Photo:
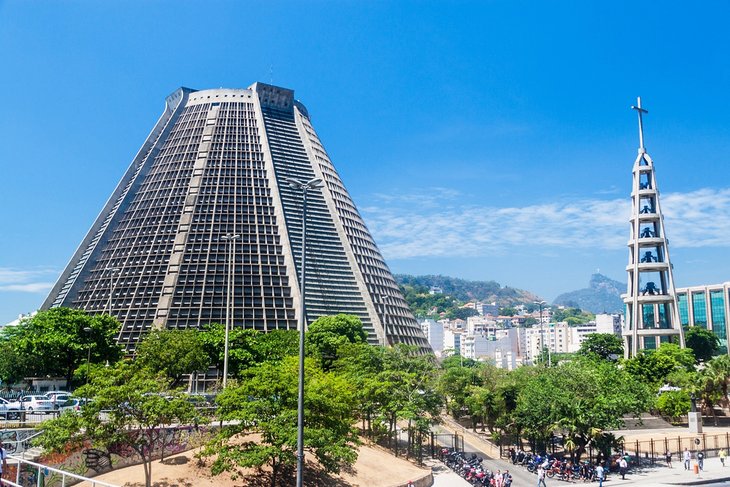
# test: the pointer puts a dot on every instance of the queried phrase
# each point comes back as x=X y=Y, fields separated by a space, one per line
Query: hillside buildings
x=502 y=341
x=210 y=213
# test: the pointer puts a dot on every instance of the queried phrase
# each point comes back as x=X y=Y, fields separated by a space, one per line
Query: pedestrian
x=4 y=464
x=722 y=455
x=541 y=476
x=498 y=479
x=600 y=474
x=623 y=465
x=507 y=482
x=687 y=458
x=700 y=459
x=668 y=458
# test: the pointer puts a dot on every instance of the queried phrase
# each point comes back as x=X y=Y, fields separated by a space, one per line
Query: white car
x=9 y=410
x=36 y=404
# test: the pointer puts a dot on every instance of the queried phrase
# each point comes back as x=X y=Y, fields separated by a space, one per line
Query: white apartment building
x=434 y=331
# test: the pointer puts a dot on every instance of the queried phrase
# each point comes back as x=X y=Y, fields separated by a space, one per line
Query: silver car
x=36 y=404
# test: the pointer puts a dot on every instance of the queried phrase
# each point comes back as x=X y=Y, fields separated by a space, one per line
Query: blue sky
x=485 y=140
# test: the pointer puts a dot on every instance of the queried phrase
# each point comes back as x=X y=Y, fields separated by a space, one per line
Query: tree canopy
x=703 y=342
x=174 y=353
x=56 y=342
x=605 y=346
x=136 y=404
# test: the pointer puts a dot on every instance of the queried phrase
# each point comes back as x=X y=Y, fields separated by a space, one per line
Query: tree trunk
x=147 y=462
x=274 y=471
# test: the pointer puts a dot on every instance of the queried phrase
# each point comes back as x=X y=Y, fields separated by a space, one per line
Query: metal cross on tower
x=641 y=124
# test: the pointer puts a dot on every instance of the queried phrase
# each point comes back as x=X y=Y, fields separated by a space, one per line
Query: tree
x=265 y=402
x=583 y=398
x=673 y=403
x=654 y=366
x=56 y=342
x=247 y=348
x=605 y=346
x=703 y=342
x=461 y=313
x=136 y=404
x=174 y=353
x=327 y=334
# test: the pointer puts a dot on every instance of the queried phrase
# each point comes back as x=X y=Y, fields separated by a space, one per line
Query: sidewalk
x=646 y=476
x=662 y=476
x=443 y=476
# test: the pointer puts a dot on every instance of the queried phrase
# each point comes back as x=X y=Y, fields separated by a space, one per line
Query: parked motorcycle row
x=560 y=469
x=471 y=469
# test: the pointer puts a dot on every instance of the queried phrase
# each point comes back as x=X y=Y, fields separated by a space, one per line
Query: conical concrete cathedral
x=651 y=302
x=210 y=186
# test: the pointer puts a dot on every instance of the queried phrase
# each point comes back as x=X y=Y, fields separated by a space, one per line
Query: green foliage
x=652 y=367
x=712 y=384
x=507 y=311
x=247 y=348
x=582 y=397
x=54 y=343
x=136 y=405
x=424 y=304
x=461 y=313
x=173 y=353
x=327 y=334
x=265 y=402
x=605 y=346
x=703 y=342
x=572 y=316
x=673 y=404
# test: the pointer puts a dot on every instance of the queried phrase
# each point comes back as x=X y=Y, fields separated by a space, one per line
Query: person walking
x=623 y=465
x=4 y=464
x=700 y=459
x=722 y=455
x=600 y=474
x=541 y=476
x=668 y=458
x=687 y=459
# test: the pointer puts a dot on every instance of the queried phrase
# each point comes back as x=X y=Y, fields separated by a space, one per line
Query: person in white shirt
x=687 y=458
x=600 y=474
x=541 y=476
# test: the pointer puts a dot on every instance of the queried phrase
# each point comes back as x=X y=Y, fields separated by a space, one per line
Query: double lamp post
x=304 y=187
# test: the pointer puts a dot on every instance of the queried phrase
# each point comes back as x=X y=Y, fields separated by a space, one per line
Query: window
x=699 y=309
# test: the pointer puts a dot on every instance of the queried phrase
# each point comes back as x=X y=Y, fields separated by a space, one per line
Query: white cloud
x=26 y=280
x=697 y=219
x=34 y=287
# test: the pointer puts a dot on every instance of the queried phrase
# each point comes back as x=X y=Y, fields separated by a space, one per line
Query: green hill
x=456 y=292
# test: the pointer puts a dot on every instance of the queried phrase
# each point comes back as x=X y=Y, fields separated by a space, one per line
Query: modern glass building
x=209 y=186
x=708 y=307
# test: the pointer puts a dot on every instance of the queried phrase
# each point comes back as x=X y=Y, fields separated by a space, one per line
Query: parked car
x=57 y=398
x=40 y=404
x=70 y=404
x=9 y=410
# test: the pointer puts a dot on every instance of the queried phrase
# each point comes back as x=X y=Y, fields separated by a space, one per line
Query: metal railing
x=35 y=474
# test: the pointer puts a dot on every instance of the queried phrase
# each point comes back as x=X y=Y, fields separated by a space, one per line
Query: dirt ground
x=375 y=467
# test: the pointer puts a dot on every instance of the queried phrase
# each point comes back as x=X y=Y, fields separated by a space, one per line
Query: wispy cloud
x=697 y=219
x=26 y=280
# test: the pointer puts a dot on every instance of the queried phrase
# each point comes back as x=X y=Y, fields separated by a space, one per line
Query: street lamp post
x=230 y=240
x=303 y=187
x=87 y=330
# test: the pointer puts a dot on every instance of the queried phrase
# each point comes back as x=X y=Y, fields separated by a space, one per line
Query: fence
x=30 y=474
x=654 y=450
